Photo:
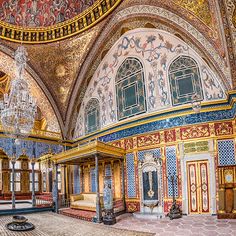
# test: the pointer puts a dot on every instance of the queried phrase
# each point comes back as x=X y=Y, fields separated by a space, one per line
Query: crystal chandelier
x=18 y=108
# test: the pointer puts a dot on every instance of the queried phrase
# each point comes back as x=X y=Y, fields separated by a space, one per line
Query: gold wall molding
x=76 y=25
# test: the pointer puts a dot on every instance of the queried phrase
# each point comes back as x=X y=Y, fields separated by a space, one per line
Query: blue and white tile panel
x=226 y=152
x=156 y=152
x=171 y=169
x=130 y=170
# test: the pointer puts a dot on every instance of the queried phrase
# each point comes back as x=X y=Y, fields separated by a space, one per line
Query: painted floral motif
x=213 y=90
x=156 y=50
x=37 y=13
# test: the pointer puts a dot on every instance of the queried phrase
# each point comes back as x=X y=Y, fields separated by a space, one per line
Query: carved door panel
x=198 y=187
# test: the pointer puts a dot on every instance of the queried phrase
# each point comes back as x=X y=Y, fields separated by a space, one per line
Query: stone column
x=55 y=189
x=98 y=205
x=64 y=177
x=13 y=162
x=33 y=183
x=56 y=203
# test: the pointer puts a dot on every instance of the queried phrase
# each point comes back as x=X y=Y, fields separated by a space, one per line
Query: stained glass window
x=185 y=81
x=130 y=89
x=92 y=116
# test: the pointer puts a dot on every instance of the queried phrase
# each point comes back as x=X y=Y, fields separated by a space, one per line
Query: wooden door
x=198 y=187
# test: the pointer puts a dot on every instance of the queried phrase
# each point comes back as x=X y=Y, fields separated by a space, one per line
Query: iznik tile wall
x=202 y=117
x=226 y=152
x=32 y=148
x=156 y=153
x=130 y=170
x=171 y=169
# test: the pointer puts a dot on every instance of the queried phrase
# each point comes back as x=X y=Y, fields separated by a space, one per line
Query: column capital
x=13 y=160
x=33 y=160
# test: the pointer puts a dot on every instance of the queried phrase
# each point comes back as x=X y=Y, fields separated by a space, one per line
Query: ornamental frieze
x=148 y=140
x=117 y=144
x=195 y=132
x=170 y=136
x=129 y=144
x=223 y=128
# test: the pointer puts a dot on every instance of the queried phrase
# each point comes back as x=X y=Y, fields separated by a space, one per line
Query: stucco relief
x=7 y=65
x=155 y=49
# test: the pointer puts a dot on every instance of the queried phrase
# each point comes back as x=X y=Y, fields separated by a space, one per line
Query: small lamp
x=196 y=103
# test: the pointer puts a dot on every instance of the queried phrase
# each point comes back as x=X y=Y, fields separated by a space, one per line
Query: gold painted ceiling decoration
x=78 y=24
x=41 y=13
x=4 y=84
x=200 y=8
x=234 y=15
x=58 y=63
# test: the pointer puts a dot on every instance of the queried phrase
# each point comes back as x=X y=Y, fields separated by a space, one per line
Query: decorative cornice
x=76 y=25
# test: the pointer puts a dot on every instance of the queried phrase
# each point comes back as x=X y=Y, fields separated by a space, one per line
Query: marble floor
x=51 y=224
x=6 y=205
x=197 y=225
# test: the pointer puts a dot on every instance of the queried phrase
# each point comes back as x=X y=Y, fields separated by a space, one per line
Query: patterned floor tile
x=188 y=225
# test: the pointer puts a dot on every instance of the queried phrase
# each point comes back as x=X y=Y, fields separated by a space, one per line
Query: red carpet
x=79 y=214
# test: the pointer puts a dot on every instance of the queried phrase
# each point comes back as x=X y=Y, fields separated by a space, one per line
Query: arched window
x=185 y=81
x=130 y=89
x=92 y=116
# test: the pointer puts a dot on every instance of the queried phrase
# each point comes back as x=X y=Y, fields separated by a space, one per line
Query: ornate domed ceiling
x=41 y=13
x=41 y=21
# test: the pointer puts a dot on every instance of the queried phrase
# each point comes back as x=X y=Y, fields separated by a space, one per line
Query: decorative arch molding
x=38 y=89
x=156 y=49
x=141 y=11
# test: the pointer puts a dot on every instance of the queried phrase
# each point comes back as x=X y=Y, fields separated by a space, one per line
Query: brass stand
x=175 y=211
x=109 y=217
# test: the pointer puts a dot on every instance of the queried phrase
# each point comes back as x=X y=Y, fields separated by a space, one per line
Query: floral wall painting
x=161 y=57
